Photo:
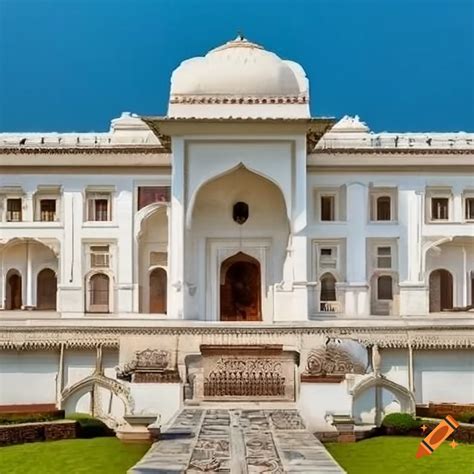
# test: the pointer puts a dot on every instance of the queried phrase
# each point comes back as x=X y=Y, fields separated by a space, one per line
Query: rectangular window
x=151 y=194
x=328 y=257
x=328 y=208
x=14 y=210
x=384 y=257
x=469 y=208
x=439 y=208
x=98 y=207
x=99 y=256
x=383 y=208
x=48 y=210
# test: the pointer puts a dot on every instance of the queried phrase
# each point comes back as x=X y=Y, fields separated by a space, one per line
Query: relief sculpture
x=245 y=378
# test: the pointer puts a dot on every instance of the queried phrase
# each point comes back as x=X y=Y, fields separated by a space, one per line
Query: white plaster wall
x=110 y=360
x=78 y=364
x=28 y=377
x=444 y=376
x=318 y=399
x=164 y=399
x=395 y=365
x=364 y=405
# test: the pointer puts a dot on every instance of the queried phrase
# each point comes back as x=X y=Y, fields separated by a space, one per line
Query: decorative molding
x=390 y=151
x=51 y=338
x=70 y=150
x=233 y=99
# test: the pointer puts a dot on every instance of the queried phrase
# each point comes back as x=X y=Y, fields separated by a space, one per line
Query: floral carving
x=332 y=360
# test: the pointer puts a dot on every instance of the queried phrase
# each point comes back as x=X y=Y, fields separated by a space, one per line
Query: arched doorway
x=240 y=298
x=158 y=282
x=46 y=290
x=99 y=293
x=441 y=290
x=13 y=296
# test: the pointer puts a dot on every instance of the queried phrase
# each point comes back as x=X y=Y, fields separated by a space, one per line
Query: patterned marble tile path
x=237 y=442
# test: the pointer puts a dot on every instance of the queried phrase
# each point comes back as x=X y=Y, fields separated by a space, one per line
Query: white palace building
x=236 y=250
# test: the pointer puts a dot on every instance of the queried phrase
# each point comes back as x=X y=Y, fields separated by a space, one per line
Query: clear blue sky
x=72 y=65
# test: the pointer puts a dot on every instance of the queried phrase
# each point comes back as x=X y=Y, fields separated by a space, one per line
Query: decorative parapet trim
x=112 y=150
x=38 y=338
x=391 y=151
x=232 y=99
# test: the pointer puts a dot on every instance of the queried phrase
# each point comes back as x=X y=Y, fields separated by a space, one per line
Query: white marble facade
x=342 y=231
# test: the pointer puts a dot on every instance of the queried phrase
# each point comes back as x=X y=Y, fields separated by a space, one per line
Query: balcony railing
x=330 y=307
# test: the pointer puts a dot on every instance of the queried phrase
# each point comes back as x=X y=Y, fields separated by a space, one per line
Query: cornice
x=392 y=151
x=232 y=99
x=46 y=338
x=112 y=150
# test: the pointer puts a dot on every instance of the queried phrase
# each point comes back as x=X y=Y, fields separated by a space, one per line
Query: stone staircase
x=237 y=441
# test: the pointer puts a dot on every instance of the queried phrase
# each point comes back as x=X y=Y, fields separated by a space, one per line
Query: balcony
x=330 y=307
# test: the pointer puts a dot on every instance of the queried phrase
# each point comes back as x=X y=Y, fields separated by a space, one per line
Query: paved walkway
x=237 y=442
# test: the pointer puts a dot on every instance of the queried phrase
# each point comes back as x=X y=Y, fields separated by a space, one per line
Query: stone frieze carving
x=83 y=337
x=235 y=377
x=149 y=366
x=332 y=359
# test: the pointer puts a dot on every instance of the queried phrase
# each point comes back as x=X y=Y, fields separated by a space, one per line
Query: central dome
x=241 y=69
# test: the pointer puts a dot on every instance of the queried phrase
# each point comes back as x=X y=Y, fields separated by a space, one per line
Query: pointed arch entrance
x=240 y=289
x=441 y=290
x=158 y=284
x=13 y=294
x=46 y=289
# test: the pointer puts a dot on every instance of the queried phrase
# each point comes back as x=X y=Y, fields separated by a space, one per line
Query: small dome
x=239 y=68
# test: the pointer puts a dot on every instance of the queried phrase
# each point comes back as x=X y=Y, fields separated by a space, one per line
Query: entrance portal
x=240 y=289
x=13 y=300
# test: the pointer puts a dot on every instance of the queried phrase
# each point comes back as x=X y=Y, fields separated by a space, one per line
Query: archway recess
x=441 y=290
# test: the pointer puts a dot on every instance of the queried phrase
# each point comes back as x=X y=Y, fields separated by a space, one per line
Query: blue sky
x=72 y=65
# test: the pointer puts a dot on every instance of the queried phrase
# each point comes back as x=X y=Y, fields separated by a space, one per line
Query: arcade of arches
x=30 y=280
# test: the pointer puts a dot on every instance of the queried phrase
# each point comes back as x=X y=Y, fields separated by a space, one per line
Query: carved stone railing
x=330 y=307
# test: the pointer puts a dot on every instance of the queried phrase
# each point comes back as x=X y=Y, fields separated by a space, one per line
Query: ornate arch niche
x=90 y=385
x=378 y=384
x=151 y=249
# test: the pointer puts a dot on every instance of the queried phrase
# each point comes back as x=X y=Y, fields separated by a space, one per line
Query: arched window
x=13 y=296
x=46 y=289
x=328 y=287
x=99 y=293
x=441 y=290
x=383 y=208
x=384 y=287
x=158 y=287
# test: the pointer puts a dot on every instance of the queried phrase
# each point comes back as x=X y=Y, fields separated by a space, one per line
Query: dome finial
x=240 y=36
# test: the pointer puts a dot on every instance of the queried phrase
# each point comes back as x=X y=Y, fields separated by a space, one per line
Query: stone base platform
x=237 y=441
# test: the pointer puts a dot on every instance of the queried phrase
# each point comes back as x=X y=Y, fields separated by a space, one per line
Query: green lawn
x=72 y=456
x=396 y=455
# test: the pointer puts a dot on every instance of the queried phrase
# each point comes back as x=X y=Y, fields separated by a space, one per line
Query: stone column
x=457 y=205
x=71 y=289
x=357 y=300
x=411 y=385
x=29 y=277
x=124 y=213
x=176 y=308
x=413 y=294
